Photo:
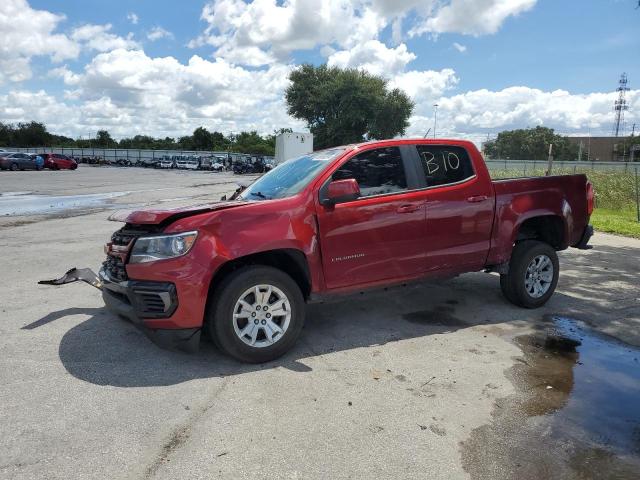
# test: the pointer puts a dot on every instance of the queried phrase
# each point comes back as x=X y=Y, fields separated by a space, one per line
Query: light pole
x=435 y=118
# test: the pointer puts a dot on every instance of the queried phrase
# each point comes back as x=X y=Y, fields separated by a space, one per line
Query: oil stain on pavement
x=576 y=413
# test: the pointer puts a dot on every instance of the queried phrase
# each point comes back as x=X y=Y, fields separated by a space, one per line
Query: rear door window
x=445 y=164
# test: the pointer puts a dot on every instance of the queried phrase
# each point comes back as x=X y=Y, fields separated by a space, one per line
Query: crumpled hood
x=155 y=216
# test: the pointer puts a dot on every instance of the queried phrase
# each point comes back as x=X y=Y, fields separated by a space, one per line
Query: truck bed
x=518 y=199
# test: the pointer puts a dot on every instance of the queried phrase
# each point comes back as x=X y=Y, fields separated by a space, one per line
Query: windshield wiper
x=259 y=194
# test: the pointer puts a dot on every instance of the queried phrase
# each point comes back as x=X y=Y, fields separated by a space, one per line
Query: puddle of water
x=603 y=405
x=576 y=413
x=26 y=203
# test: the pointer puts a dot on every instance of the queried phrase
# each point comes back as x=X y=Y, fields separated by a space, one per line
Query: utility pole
x=435 y=118
x=550 y=164
x=580 y=146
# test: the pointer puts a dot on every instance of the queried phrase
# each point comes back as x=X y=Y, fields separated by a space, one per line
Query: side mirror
x=340 y=191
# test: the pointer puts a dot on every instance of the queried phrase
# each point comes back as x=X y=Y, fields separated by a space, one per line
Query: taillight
x=590 y=198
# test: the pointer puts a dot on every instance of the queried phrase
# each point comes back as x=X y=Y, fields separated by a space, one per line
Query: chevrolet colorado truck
x=332 y=222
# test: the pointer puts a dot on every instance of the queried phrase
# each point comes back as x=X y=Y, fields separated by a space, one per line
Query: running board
x=85 y=275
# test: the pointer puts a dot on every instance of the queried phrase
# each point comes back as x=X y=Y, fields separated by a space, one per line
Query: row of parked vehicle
x=188 y=162
x=58 y=161
x=35 y=161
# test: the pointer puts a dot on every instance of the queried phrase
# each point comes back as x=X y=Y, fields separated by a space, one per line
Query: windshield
x=290 y=177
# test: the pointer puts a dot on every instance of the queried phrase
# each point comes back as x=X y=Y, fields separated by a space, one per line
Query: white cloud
x=157 y=33
x=521 y=107
x=261 y=32
x=100 y=38
x=472 y=17
x=26 y=33
x=271 y=31
x=459 y=47
x=133 y=18
x=128 y=92
x=373 y=56
x=68 y=77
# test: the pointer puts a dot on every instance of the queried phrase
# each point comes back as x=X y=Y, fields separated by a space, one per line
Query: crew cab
x=333 y=222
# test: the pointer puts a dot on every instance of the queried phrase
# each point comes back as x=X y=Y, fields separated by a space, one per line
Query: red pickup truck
x=337 y=221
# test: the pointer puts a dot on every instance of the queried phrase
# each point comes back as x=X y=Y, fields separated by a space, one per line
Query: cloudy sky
x=165 y=68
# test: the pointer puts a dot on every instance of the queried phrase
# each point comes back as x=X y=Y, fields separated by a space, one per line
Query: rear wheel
x=256 y=314
x=533 y=274
x=13 y=167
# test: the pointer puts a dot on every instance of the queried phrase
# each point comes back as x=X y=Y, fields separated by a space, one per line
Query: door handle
x=477 y=198
x=408 y=208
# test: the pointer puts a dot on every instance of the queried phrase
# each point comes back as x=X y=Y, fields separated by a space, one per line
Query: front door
x=379 y=236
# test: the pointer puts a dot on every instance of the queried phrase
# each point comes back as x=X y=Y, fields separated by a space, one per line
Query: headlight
x=150 y=249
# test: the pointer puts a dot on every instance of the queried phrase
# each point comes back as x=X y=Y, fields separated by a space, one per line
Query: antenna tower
x=620 y=106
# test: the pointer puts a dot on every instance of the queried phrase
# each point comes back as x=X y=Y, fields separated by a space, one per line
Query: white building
x=292 y=145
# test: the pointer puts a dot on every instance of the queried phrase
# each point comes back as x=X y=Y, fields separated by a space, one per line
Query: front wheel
x=533 y=274
x=256 y=314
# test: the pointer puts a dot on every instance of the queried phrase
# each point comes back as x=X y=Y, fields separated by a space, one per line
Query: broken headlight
x=150 y=249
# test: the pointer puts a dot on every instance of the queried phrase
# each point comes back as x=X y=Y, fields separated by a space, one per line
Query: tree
x=530 y=144
x=346 y=106
x=201 y=139
x=104 y=140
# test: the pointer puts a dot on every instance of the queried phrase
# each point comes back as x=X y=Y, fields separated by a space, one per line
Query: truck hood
x=155 y=216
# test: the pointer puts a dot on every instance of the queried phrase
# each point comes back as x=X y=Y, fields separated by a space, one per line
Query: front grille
x=115 y=268
x=114 y=265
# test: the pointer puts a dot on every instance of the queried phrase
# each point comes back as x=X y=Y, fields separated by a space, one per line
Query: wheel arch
x=291 y=261
x=550 y=229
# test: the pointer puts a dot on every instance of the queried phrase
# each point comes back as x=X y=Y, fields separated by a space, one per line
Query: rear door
x=459 y=209
x=379 y=236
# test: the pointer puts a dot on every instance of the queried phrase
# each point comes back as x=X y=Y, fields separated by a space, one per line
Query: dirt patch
x=576 y=413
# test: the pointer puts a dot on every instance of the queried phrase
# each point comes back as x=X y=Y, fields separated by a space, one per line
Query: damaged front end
x=140 y=301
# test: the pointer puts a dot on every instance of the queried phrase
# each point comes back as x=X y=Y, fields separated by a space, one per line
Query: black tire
x=219 y=317
x=513 y=284
x=13 y=167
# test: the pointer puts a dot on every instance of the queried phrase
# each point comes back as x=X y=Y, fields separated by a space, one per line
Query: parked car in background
x=58 y=161
x=188 y=162
x=217 y=167
x=18 y=161
x=166 y=162
x=247 y=166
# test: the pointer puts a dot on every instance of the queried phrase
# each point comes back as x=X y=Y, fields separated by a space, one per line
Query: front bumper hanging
x=74 y=275
x=138 y=301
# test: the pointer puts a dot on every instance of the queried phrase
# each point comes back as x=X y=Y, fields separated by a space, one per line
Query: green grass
x=615 y=198
x=621 y=222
